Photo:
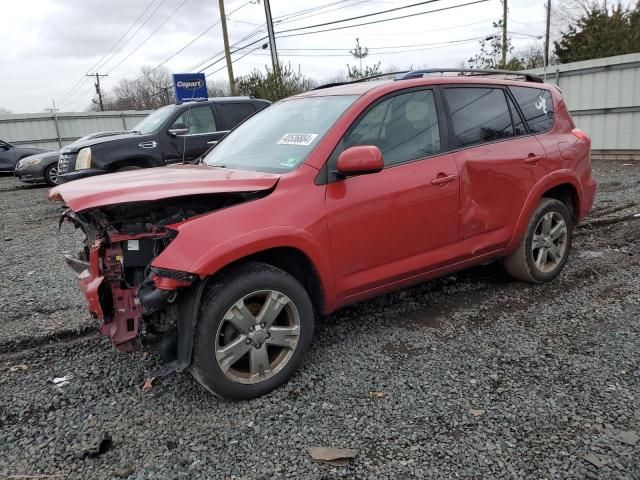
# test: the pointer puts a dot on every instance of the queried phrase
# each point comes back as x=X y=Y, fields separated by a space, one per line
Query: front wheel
x=51 y=175
x=544 y=250
x=254 y=328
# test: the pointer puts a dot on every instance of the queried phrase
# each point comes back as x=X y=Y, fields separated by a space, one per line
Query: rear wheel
x=51 y=174
x=544 y=250
x=254 y=328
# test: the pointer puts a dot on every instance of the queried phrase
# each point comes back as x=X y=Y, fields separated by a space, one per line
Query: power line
x=200 y=35
x=169 y=17
x=146 y=20
x=342 y=20
x=84 y=79
x=430 y=30
x=349 y=26
x=232 y=52
x=234 y=61
x=381 y=20
x=101 y=63
x=302 y=16
x=430 y=47
x=123 y=36
x=385 y=47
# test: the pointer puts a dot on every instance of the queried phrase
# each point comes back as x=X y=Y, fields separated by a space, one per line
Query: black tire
x=521 y=264
x=227 y=290
x=51 y=175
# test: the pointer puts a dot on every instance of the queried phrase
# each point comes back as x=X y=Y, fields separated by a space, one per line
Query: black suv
x=168 y=135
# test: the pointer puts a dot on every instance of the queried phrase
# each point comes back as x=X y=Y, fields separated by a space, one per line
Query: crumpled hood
x=158 y=183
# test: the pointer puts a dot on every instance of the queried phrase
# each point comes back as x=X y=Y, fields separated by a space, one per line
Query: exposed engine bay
x=136 y=303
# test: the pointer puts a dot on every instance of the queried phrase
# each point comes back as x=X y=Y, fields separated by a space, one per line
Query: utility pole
x=504 y=33
x=54 y=111
x=97 y=85
x=227 y=53
x=272 y=36
x=546 y=36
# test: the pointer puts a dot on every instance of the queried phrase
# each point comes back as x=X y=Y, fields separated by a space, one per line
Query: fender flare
x=237 y=248
x=219 y=255
x=546 y=183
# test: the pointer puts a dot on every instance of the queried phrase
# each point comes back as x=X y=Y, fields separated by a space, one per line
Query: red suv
x=322 y=200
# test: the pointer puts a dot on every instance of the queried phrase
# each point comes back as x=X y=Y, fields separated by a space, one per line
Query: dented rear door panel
x=495 y=181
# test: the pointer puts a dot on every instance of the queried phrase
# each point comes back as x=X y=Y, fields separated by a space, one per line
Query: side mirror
x=178 y=129
x=360 y=160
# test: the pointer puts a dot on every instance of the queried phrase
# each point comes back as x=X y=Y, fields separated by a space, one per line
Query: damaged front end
x=136 y=303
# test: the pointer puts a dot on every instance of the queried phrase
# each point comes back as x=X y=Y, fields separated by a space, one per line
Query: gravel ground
x=482 y=377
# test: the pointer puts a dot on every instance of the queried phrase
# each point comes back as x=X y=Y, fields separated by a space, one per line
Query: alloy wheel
x=257 y=336
x=53 y=175
x=549 y=242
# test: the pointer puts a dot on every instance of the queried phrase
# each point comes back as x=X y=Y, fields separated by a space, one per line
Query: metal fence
x=603 y=96
x=48 y=130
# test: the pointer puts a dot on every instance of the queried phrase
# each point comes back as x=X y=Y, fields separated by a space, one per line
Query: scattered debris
x=7 y=239
x=124 y=471
x=15 y=368
x=61 y=381
x=477 y=413
x=148 y=384
x=473 y=381
x=630 y=438
x=591 y=254
x=375 y=394
x=338 y=457
x=99 y=444
x=636 y=215
x=627 y=164
x=55 y=475
x=593 y=460
x=29 y=273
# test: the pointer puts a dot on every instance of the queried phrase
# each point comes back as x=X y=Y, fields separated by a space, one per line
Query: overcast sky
x=49 y=45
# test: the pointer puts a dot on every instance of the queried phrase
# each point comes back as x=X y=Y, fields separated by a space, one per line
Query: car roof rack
x=529 y=77
x=359 y=80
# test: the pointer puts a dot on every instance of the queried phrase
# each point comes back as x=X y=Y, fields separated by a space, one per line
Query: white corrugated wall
x=603 y=96
x=40 y=129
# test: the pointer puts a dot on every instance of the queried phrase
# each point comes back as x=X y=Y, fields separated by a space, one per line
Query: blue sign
x=189 y=86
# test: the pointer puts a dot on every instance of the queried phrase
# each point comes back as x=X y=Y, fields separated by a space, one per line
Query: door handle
x=533 y=158
x=442 y=179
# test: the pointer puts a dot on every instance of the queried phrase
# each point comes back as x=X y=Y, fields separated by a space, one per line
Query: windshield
x=152 y=122
x=280 y=137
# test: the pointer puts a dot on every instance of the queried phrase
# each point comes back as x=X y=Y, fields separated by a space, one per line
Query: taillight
x=581 y=135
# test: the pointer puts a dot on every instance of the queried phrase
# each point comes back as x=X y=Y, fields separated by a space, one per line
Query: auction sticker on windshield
x=297 y=139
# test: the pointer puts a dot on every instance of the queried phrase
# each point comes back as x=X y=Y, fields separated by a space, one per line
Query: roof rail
x=529 y=77
x=364 y=79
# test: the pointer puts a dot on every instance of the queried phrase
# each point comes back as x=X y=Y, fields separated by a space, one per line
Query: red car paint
x=164 y=182
x=364 y=235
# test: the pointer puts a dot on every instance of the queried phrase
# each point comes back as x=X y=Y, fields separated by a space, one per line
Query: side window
x=234 y=113
x=404 y=127
x=536 y=105
x=518 y=124
x=479 y=115
x=197 y=120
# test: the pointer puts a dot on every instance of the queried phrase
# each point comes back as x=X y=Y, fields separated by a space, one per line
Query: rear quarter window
x=234 y=113
x=537 y=106
x=479 y=115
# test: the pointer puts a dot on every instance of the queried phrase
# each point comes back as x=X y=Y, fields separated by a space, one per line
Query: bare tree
x=152 y=89
x=532 y=56
x=218 y=88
